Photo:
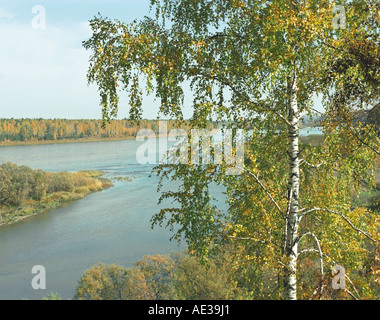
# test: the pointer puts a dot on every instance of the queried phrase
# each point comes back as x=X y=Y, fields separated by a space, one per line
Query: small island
x=26 y=192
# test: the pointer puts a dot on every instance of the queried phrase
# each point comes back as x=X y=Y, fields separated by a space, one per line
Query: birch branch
x=343 y=217
x=265 y=190
x=319 y=251
x=347 y=277
x=350 y=293
x=307 y=251
x=356 y=135
x=349 y=280
x=312 y=165
x=257 y=240
x=244 y=96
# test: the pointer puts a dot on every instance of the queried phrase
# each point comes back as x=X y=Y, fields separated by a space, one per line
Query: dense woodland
x=34 y=130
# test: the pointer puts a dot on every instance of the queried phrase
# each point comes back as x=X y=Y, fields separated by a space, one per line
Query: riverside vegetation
x=41 y=131
x=226 y=274
x=25 y=192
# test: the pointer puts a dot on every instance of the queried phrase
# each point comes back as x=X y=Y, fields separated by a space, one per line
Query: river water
x=111 y=226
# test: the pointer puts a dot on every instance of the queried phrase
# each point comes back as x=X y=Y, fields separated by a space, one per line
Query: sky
x=43 y=65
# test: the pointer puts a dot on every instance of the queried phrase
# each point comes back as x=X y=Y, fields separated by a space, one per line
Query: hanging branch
x=316 y=166
x=256 y=240
x=318 y=250
x=265 y=190
x=344 y=218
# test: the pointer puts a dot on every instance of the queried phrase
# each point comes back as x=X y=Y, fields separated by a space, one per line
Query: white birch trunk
x=291 y=246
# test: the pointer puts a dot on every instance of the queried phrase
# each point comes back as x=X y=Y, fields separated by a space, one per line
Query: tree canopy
x=259 y=65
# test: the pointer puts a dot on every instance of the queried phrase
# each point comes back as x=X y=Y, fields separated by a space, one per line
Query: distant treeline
x=307 y=122
x=59 y=129
x=34 y=130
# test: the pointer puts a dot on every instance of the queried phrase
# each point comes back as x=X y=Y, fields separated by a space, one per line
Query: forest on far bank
x=34 y=130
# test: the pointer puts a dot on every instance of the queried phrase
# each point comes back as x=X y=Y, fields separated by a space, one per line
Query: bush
x=16 y=184
x=162 y=277
x=60 y=182
x=52 y=296
x=102 y=282
x=159 y=272
x=22 y=188
x=206 y=281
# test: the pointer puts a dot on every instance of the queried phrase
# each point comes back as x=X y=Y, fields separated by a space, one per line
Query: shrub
x=159 y=272
x=206 y=281
x=162 y=277
x=102 y=282
x=60 y=182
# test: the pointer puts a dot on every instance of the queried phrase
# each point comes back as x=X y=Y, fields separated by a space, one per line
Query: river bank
x=307 y=131
x=61 y=141
x=25 y=192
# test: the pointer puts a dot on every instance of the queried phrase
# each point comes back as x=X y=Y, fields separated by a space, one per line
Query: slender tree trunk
x=292 y=219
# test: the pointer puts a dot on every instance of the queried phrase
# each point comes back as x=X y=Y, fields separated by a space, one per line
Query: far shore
x=9 y=143
x=61 y=141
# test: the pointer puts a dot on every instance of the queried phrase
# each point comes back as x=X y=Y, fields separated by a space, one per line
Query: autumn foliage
x=25 y=191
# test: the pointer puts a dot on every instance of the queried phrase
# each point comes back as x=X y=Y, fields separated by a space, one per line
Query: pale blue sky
x=43 y=72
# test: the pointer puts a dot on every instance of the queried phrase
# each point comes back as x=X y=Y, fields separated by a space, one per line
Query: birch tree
x=258 y=66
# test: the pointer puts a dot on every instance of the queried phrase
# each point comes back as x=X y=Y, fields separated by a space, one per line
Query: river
x=111 y=226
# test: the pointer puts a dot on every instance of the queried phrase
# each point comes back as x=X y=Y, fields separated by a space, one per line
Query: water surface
x=111 y=226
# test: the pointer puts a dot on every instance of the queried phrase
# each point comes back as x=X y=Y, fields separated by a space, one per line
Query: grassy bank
x=25 y=192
